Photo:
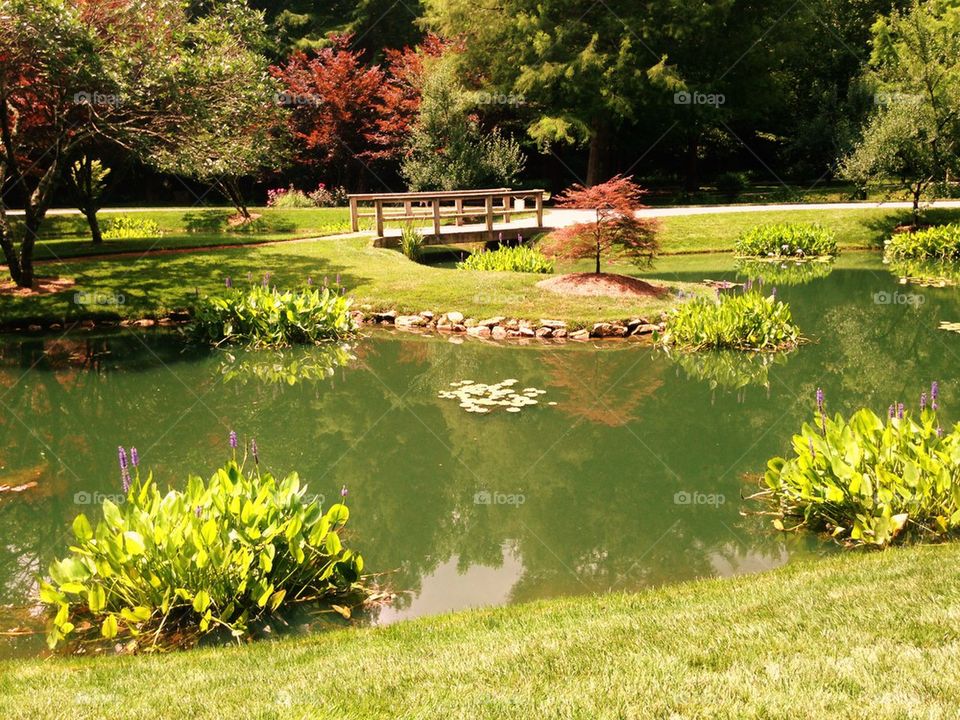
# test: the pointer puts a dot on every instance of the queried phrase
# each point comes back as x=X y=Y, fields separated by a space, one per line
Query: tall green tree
x=913 y=135
x=87 y=179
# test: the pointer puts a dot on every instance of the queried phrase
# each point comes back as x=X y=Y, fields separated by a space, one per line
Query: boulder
x=526 y=331
x=470 y=322
x=544 y=332
x=498 y=332
x=560 y=333
x=410 y=321
x=455 y=317
x=479 y=331
x=388 y=317
x=645 y=329
x=427 y=314
x=553 y=324
x=490 y=322
x=579 y=335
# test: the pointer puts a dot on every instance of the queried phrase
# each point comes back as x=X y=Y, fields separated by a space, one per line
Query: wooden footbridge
x=450 y=216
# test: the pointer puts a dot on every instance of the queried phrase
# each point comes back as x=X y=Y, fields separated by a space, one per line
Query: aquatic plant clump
x=482 y=399
x=263 y=316
x=223 y=553
x=125 y=226
x=511 y=259
x=870 y=480
x=740 y=321
x=783 y=240
x=935 y=243
x=728 y=369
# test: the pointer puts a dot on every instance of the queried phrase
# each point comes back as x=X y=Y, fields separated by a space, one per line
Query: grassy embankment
x=855 y=636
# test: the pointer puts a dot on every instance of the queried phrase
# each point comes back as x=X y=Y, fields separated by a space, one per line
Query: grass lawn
x=153 y=284
x=862 y=635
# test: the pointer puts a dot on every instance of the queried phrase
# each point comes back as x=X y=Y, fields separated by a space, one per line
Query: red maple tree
x=615 y=230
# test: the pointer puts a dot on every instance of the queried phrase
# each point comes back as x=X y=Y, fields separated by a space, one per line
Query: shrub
x=731 y=184
x=935 y=243
x=219 y=554
x=781 y=272
x=741 y=321
x=268 y=317
x=787 y=240
x=411 y=243
x=288 y=198
x=870 y=480
x=122 y=227
x=325 y=197
x=511 y=259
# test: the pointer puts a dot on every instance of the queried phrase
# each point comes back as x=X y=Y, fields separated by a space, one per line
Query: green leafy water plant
x=927 y=273
x=286 y=367
x=510 y=259
x=264 y=316
x=728 y=369
x=124 y=226
x=224 y=553
x=935 y=243
x=784 y=272
x=792 y=240
x=869 y=480
x=734 y=321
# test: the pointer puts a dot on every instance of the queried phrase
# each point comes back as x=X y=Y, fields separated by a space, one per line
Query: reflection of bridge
x=450 y=216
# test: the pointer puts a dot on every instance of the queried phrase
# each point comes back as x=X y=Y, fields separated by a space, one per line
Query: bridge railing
x=437 y=206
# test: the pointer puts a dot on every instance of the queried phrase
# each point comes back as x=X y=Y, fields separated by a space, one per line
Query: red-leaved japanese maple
x=615 y=230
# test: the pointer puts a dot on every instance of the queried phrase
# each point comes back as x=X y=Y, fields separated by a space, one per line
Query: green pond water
x=632 y=479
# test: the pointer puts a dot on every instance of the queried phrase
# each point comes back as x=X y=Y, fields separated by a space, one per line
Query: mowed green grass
x=856 y=636
x=152 y=284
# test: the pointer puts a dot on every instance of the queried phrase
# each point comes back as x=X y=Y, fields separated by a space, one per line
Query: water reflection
x=611 y=478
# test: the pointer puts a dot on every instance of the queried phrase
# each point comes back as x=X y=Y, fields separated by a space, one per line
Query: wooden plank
x=354 y=216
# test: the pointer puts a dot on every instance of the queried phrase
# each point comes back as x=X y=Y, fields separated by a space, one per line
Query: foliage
x=447 y=148
x=804 y=240
x=326 y=197
x=286 y=367
x=288 y=198
x=508 y=259
x=125 y=226
x=264 y=316
x=616 y=230
x=737 y=321
x=411 y=243
x=142 y=78
x=935 y=243
x=218 y=554
x=87 y=178
x=732 y=184
x=913 y=134
x=927 y=273
x=871 y=480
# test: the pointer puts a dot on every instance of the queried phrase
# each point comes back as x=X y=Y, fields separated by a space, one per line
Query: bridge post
x=458 y=203
x=506 y=208
x=354 y=219
x=436 y=217
x=489 y=207
x=378 y=212
x=540 y=209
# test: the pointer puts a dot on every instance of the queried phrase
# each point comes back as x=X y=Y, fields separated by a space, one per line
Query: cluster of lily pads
x=482 y=398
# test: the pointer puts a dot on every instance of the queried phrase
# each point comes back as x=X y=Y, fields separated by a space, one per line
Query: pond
x=632 y=479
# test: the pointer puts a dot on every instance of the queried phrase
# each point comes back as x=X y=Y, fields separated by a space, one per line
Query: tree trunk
x=31 y=229
x=6 y=243
x=917 y=191
x=231 y=188
x=692 y=176
x=596 y=164
x=94 y=223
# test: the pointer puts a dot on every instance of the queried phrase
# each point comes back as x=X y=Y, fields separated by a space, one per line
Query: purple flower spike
x=923 y=401
x=254 y=451
x=900 y=411
x=773 y=292
x=892 y=412
x=343 y=491
x=134 y=457
x=198 y=511
x=820 y=400
x=233 y=439
x=813 y=451
x=939 y=431
x=228 y=282
x=309 y=281
x=124 y=470
x=338 y=278
x=934 y=395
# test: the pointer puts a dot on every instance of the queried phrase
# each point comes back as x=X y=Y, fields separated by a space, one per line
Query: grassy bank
x=153 y=284
x=855 y=636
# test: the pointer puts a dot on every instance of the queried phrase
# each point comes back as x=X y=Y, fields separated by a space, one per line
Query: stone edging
x=503 y=328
